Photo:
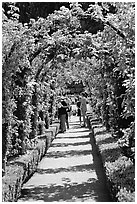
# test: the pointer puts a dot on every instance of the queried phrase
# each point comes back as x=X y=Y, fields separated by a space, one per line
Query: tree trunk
x=35 y=116
x=4 y=146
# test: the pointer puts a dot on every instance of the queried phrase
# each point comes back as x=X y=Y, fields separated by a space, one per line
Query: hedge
x=119 y=170
x=20 y=170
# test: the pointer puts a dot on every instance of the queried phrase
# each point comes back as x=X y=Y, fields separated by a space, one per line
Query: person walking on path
x=83 y=109
x=69 y=108
x=79 y=109
x=67 y=100
x=62 y=114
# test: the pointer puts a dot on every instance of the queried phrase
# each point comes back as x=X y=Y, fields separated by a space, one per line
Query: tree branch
x=112 y=26
x=88 y=20
x=116 y=29
x=40 y=69
x=35 y=54
x=13 y=47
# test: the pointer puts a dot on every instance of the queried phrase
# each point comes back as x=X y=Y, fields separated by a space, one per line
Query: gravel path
x=70 y=171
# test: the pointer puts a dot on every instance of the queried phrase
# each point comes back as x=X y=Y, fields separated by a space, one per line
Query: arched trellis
x=35 y=53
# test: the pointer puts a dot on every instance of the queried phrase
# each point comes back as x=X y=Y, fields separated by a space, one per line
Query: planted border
x=119 y=169
x=20 y=170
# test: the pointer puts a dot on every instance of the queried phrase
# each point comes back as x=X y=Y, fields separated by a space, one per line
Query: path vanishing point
x=71 y=171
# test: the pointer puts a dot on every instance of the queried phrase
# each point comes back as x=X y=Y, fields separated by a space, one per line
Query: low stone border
x=119 y=170
x=20 y=170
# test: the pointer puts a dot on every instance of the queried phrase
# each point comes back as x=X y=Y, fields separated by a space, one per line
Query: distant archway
x=76 y=87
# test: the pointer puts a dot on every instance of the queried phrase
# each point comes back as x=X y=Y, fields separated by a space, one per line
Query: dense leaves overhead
x=62 y=42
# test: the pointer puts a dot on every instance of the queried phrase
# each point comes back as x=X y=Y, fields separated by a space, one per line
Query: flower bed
x=120 y=170
x=20 y=170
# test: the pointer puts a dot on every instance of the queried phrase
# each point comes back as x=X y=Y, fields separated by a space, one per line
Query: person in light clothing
x=83 y=108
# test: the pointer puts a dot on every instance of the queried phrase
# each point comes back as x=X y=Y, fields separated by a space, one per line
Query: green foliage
x=112 y=84
x=62 y=48
x=121 y=174
x=119 y=169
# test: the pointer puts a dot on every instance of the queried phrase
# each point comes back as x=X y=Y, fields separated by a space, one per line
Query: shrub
x=120 y=170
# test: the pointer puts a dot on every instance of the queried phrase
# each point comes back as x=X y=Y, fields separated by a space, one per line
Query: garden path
x=71 y=171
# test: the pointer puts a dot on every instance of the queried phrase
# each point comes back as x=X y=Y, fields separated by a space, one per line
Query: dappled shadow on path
x=68 y=191
x=80 y=131
x=73 y=122
x=70 y=173
x=76 y=127
x=71 y=153
x=85 y=136
x=82 y=168
x=69 y=144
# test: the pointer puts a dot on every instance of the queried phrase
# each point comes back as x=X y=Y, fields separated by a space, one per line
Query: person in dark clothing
x=68 y=111
x=79 y=109
x=62 y=113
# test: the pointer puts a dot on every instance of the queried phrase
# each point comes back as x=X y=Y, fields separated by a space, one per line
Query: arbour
x=75 y=87
x=48 y=49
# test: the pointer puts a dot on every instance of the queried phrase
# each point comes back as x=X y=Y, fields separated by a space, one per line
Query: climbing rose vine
x=61 y=48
